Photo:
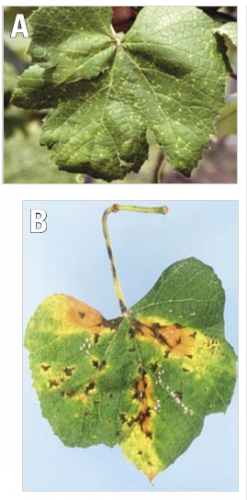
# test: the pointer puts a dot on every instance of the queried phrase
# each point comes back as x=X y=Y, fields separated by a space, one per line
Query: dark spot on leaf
x=167 y=352
x=139 y=395
x=178 y=395
x=110 y=395
x=81 y=314
x=179 y=340
x=69 y=371
x=149 y=435
x=142 y=371
x=89 y=387
x=69 y=394
x=177 y=325
x=119 y=433
x=139 y=452
x=139 y=387
x=138 y=326
x=96 y=402
x=155 y=325
x=123 y=418
x=102 y=365
x=45 y=367
x=206 y=389
x=96 y=338
x=54 y=382
x=189 y=356
x=161 y=339
x=131 y=333
x=140 y=419
x=154 y=366
x=193 y=335
x=150 y=463
x=185 y=370
x=112 y=323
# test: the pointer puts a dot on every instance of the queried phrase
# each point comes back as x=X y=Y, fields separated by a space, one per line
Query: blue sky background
x=70 y=257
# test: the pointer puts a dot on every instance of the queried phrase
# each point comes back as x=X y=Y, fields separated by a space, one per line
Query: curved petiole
x=127 y=208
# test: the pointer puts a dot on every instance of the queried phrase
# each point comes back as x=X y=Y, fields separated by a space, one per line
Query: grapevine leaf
x=145 y=380
x=229 y=32
x=106 y=92
x=227 y=120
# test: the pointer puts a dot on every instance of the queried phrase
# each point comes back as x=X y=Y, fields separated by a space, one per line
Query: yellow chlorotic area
x=74 y=316
x=139 y=449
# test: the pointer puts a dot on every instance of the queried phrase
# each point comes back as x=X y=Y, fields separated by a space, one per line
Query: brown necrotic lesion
x=45 y=367
x=100 y=365
x=90 y=387
x=69 y=370
x=175 y=338
x=154 y=366
x=142 y=394
x=140 y=386
x=68 y=394
x=123 y=418
x=55 y=382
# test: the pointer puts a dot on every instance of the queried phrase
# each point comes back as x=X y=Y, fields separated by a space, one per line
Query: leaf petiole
x=126 y=208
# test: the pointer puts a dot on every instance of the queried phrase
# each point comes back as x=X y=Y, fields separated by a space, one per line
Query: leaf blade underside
x=106 y=94
x=145 y=381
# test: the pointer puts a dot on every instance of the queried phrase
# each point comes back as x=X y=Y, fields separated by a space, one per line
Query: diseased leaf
x=145 y=380
x=106 y=92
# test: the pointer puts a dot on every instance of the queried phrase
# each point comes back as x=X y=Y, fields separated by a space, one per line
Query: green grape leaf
x=145 y=380
x=167 y=75
x=229 y=32
x=227 y=119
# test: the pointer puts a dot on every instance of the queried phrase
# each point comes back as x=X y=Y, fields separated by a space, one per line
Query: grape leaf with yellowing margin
x=167 y=74
x=145 y=380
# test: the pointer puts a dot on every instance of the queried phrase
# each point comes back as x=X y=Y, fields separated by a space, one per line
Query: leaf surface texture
x=145 y=381
x=106 y=93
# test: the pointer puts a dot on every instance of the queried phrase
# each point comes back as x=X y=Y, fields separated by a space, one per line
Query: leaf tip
x=151 y=476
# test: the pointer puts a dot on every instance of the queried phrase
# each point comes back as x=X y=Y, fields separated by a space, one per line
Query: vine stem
x=125 y=208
